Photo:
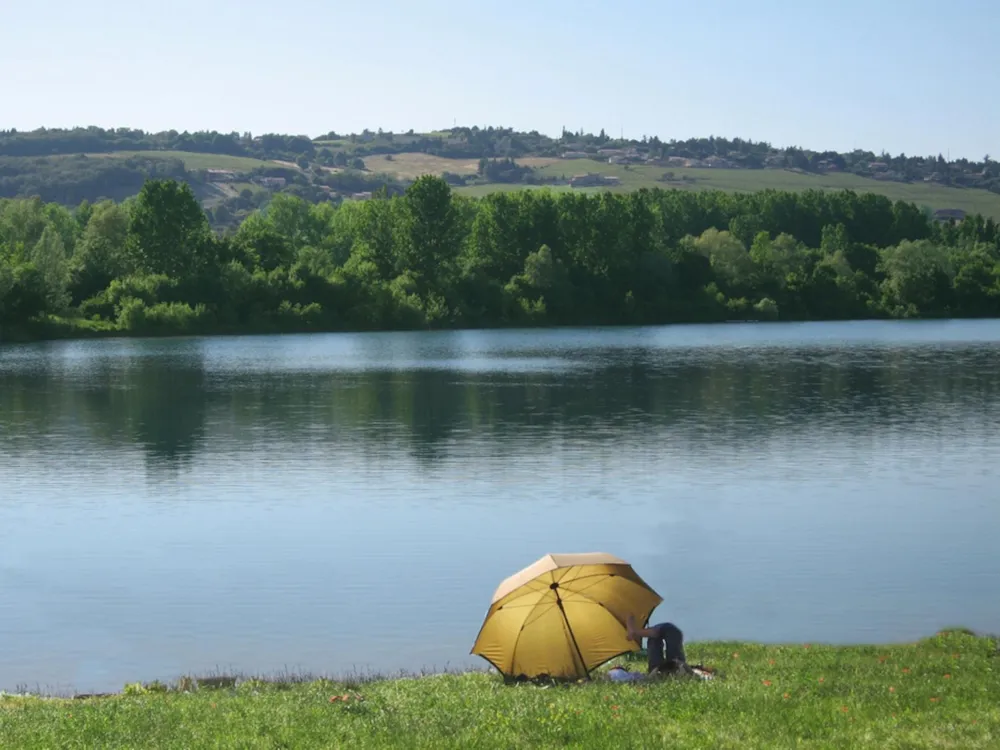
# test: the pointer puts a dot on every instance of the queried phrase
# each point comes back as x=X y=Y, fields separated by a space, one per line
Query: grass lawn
x=194 y=160
x=941 y=692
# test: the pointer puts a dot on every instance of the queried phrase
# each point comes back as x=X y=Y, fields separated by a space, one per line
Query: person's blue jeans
x=666 y=647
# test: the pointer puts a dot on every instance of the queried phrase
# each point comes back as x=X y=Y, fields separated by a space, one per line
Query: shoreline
x=70 y=329
x=937 y=692
x=234 y=679
x=221 y=680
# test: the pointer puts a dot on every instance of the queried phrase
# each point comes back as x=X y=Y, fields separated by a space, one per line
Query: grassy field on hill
x=940 y=692
x=410 y=166
x=930 y=195
x=747 y=180
x=194 y=160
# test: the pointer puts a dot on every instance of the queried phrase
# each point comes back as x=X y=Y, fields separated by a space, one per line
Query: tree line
x=431 y=258
x=491 y=142
x=72 y=179
x=50 y=141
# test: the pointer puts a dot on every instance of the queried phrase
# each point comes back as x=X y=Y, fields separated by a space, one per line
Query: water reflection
x=257 y=503
x=162 y=396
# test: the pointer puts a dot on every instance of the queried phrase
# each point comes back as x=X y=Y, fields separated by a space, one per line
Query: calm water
x=349 y=502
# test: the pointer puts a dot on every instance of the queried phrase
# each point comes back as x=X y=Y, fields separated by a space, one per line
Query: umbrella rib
x=529 y=620
x=521 y=606
x=605 y=575
x=572 y=636
x=517 y=640
x=531 y=588
x=583 y=591
x=602 y=576
x=588 y=586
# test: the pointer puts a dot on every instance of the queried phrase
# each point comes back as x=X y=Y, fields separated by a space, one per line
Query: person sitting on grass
x=664 y=647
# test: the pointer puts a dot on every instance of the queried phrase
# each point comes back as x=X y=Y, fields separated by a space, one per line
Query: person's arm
x=637 y=634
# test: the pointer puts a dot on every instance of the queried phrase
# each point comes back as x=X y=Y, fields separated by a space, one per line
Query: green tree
x=378 y=238
x=542 y=291
x=977 y=282
x=22 y=223
x=83 y=213
x=502 y=226
x=918 y=279
x=49 y=257
x=430 y=236
x=168 y=232
x=23 y=293
x=100 y=253
x=729 y=258
x=259 y=244
x=296 y=221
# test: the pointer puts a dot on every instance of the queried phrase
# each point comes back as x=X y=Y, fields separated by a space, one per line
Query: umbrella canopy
x=563 y=616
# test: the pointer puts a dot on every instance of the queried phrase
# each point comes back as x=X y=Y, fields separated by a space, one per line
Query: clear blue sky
x=917 y=76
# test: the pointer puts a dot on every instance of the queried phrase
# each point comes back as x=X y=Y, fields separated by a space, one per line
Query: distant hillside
x=233 y=173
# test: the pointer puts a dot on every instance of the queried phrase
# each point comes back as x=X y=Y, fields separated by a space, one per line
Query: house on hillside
x=363 y=196
x=220 y=175
x=272 y=183
x=878 y=166
x=949 y=214
x=575 y=155
x=622 y=156
x=717 y=162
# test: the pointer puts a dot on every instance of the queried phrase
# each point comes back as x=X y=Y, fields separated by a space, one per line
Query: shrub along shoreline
x=430 y=258
x=941 y=691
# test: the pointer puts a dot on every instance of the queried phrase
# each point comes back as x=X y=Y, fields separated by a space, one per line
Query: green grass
x=194 y=160
x=478 y=191
x=746 y=180
x=939 y=693
x=54 y=327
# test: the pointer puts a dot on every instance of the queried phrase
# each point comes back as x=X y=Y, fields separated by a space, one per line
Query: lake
x=349 y=502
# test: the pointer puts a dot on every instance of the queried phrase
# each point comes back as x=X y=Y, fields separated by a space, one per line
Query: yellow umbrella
x=563 y=616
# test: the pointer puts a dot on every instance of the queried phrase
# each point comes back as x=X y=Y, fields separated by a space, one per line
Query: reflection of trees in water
x=166 y=409
x=728 y=397
x=158 y=403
